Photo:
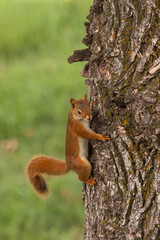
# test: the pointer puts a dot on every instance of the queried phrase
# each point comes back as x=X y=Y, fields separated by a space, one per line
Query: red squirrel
x=78 y=133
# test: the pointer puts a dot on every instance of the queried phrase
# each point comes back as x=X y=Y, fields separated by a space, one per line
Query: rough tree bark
x=123 y=71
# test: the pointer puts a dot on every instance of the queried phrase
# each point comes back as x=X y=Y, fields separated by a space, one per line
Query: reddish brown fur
x=44 y=165
x=51 y=166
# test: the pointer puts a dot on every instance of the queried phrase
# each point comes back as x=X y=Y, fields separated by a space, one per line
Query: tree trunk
x=123 y=71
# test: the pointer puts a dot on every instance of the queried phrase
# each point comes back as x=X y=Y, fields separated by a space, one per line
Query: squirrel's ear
x=85 y=97
x=91 y=104
x=73 y=102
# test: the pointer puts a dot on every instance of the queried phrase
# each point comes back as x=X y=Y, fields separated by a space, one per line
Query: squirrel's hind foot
x=91 y=181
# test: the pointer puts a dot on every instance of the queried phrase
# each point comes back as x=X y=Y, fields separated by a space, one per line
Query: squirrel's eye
x=79 y=111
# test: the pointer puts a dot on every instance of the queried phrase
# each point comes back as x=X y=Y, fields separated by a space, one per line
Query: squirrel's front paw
x=105 y=137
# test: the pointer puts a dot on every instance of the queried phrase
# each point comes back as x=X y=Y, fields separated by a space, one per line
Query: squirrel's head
x=81 y=109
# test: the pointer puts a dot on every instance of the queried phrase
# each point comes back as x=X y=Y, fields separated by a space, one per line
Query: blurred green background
x=36 y=83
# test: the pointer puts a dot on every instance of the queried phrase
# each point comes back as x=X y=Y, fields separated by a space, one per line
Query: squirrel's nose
x=89 y=117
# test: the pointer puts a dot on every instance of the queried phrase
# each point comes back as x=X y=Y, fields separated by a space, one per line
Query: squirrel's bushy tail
x=44 y=165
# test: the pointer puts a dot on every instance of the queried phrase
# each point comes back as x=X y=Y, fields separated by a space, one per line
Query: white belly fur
x=83 y=142
x=83 y=147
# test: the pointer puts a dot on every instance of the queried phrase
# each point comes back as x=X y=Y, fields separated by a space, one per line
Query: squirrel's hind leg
x=83 y=168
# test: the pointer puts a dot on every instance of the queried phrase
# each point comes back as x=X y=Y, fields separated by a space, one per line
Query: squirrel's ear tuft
x=85 y=97
x=91 y=104
x=73 y=102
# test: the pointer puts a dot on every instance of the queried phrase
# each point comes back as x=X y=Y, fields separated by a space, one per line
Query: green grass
x=36 y=83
